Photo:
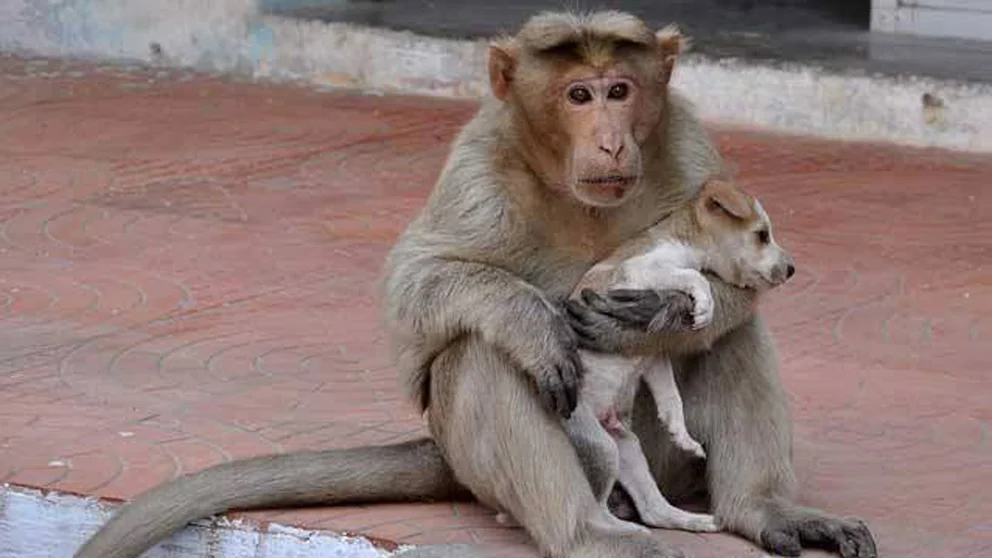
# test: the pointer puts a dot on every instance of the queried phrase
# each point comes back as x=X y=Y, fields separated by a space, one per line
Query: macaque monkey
x=579 y=148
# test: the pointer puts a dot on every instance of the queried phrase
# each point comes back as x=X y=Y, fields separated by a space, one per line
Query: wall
x=233 y=36
x=963 y=19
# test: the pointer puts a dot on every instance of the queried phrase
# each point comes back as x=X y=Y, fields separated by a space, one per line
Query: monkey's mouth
x=610 y=185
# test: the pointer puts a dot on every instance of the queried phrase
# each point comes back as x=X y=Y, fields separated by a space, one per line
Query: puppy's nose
x=790 y=271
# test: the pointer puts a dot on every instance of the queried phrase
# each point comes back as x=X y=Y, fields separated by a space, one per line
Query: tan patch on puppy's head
x=741 y=248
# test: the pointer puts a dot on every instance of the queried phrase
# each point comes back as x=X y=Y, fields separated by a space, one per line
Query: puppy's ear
x=720 y=196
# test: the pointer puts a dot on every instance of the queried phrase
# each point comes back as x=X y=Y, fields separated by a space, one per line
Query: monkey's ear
x=501 y=66
x=722 y=196
x=671 y=44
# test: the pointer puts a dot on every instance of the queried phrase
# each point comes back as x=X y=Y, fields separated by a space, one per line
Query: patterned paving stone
x=188 y=273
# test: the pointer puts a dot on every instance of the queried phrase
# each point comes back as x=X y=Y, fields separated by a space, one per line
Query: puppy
x=722 y=230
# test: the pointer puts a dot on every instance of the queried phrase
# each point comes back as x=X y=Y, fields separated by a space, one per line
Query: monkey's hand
x=435 y=300
x=621 y=320
x=635 y=321
x=548 y=349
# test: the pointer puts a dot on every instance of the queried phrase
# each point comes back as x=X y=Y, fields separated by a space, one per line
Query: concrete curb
x=37 y=524
x=231 y=36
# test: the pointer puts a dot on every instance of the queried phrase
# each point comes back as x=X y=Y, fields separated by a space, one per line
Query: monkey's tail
x=409 y=471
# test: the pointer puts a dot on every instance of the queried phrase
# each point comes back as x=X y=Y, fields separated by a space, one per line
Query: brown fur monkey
x=580 y=148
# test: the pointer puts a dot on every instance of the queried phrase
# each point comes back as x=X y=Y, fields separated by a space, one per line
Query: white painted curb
x=36 y=524
x=231 y=36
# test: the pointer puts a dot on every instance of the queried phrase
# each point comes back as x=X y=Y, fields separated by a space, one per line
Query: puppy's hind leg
x=655 y=510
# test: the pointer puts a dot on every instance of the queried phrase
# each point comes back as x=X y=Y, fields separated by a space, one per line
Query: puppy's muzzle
x=784 y=270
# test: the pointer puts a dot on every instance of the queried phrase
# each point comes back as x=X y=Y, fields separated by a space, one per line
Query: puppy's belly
x=606 y=379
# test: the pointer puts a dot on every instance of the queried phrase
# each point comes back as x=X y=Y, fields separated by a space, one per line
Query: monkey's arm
x=644 y=321
x=436 y=299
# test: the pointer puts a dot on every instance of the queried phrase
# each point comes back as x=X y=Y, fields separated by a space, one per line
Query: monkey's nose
x=790 y=271
x=612 y=146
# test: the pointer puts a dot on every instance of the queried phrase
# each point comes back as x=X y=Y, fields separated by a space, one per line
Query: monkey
x=579 y=146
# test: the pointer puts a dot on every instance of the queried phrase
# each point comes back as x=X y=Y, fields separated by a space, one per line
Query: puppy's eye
x=579 y=95
x=618 y=92
x=763 y=236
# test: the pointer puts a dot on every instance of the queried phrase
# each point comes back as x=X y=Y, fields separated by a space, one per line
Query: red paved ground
x=187 y=275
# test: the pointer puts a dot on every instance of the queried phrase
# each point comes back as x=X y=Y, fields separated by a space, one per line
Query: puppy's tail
x=408 y=471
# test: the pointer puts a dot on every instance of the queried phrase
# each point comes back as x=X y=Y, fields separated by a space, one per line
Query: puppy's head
x=741 y=248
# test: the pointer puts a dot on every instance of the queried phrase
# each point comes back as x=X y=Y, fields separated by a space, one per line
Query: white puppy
x=722 y=230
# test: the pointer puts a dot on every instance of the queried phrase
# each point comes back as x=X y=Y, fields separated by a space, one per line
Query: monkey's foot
x=670 y=517
x=787 y=536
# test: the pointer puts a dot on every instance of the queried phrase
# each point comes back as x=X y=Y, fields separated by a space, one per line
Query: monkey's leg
x=737 y=406
x=509 y=450
x=660 y=379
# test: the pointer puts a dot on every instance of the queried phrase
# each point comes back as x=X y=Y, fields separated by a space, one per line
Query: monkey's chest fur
x=558 y=257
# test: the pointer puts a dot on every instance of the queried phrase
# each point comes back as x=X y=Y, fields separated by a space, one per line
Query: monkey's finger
x=637 y=306
x=570 y=385
x=784 y=542
x=551 y=395
x=592 y=339
x=583 y=321
x=636 y=317
x=591 y=297
x=861 y=539
x=847 y=548
x=644 y=303
x=634 y=296
x=576 y=312
x=594 y=345
x=630 y=315
x=559 y=387
x=827 y=534
x=567 y=337
x=675 y=313
x=593 y=331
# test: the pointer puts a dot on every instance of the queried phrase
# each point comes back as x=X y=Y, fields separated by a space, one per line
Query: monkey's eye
x=579 y=95
x=763 y=236
x=618 y=91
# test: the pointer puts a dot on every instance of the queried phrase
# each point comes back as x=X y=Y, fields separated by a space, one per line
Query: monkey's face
x=742 y=248
x=604 y=121
x=587 y=96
